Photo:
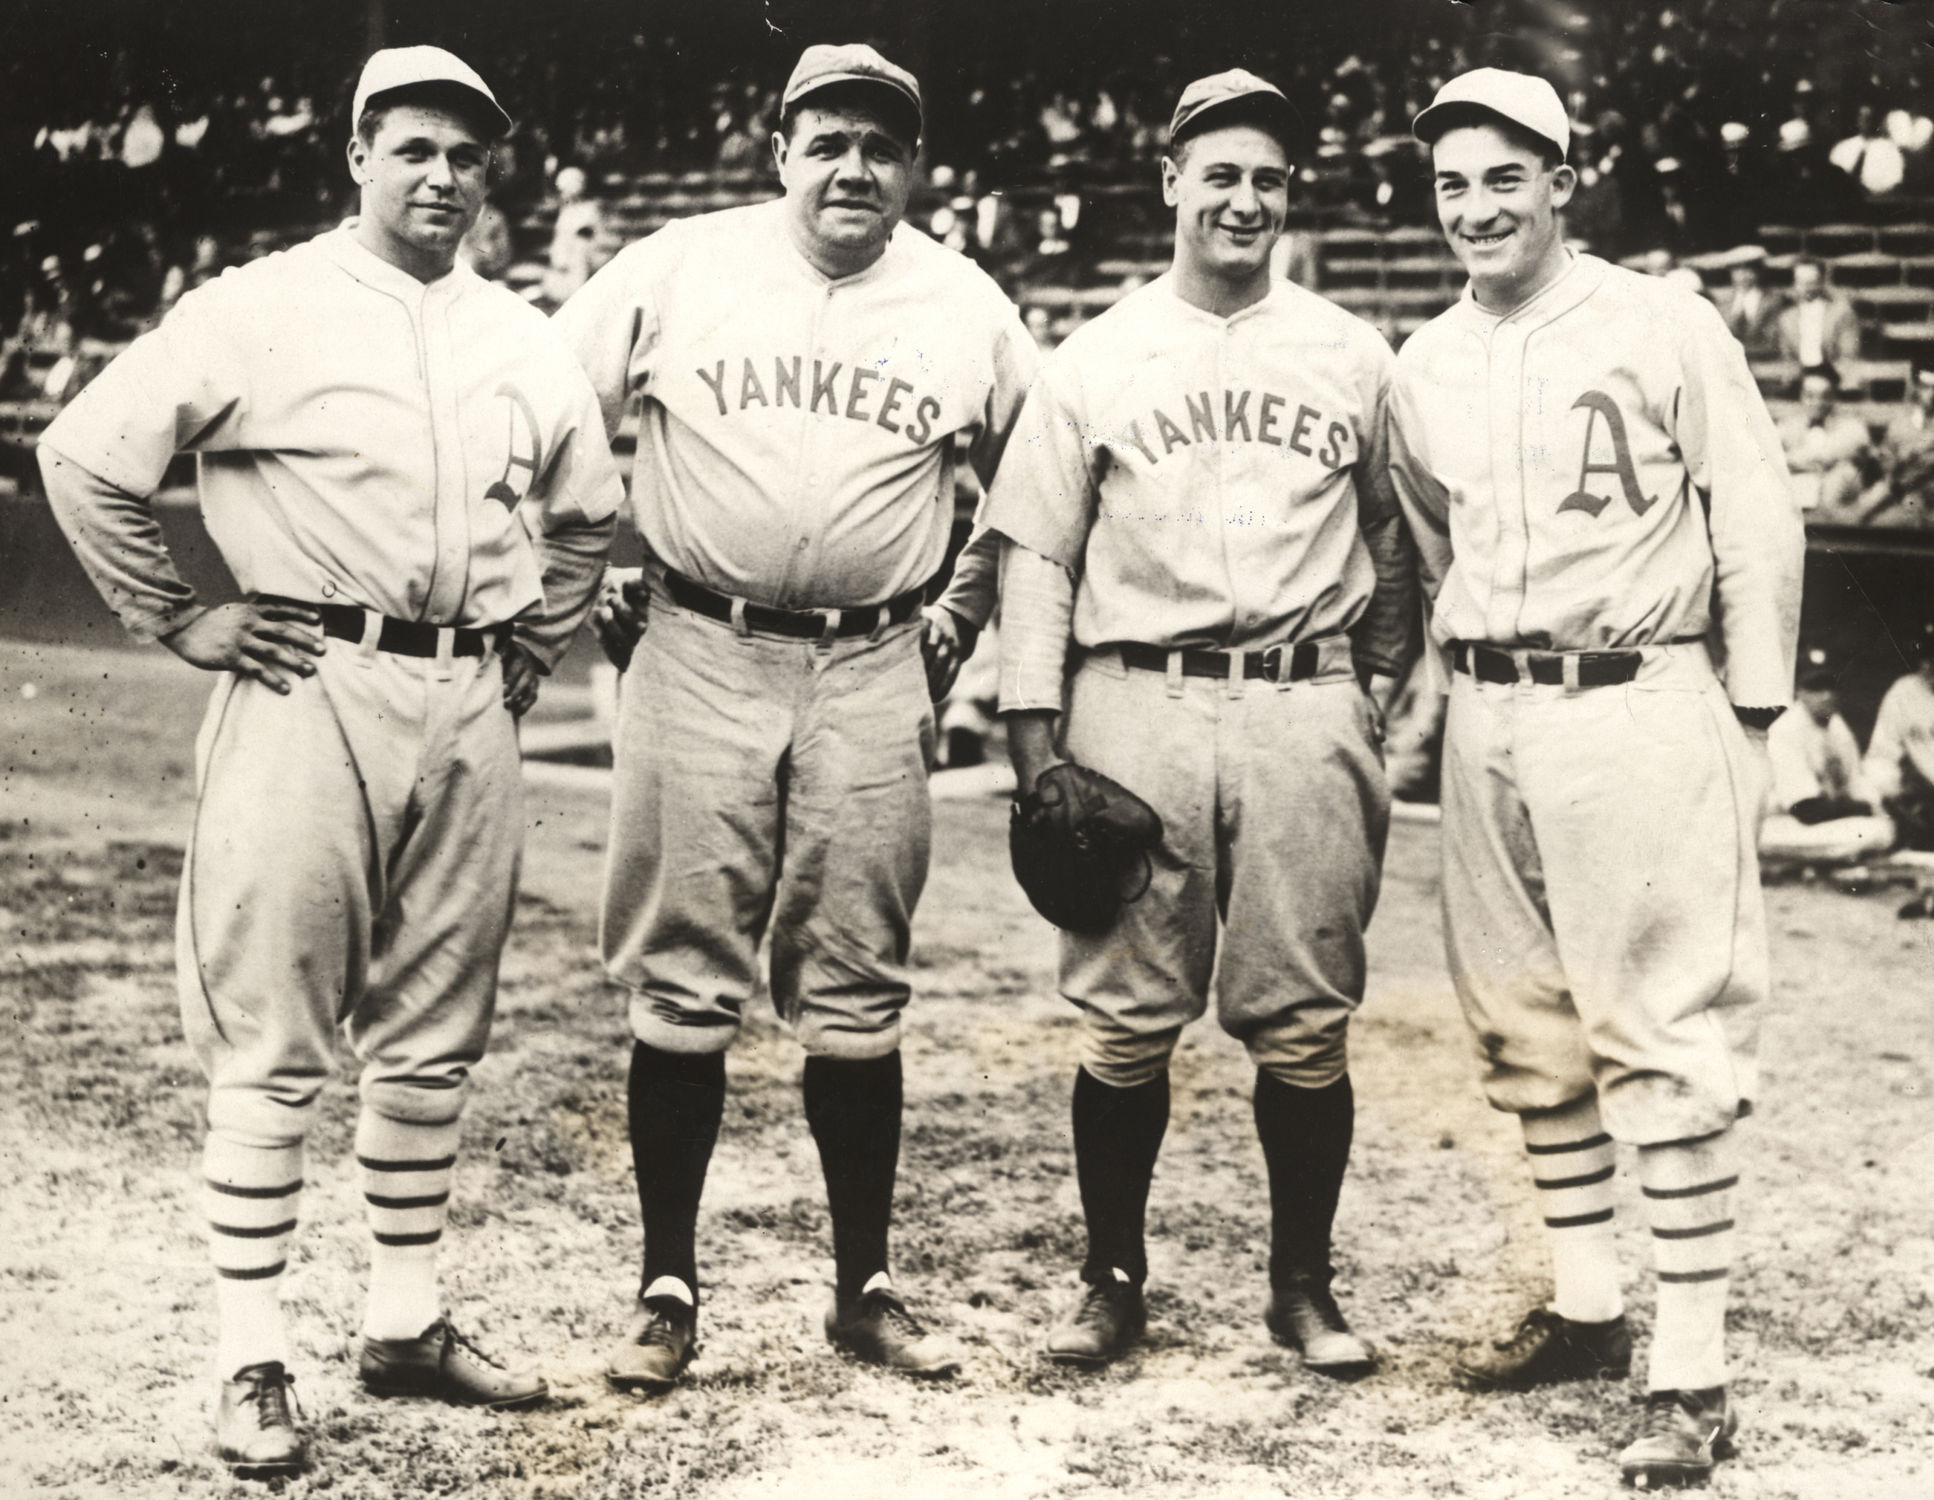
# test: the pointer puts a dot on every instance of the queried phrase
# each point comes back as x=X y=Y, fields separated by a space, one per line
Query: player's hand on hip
x=946 y=641
x=521 y=677
x=619 y=614
x=273 y=644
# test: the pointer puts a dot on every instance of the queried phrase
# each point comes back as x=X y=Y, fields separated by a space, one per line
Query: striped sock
x=250 y=1196
x=1572 y=1163
x=1688 y=1188
x=406 y=1185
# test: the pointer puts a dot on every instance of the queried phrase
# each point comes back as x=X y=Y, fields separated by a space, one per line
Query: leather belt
x=802 y=624
x=399 y=637
x=1595 y=668
x=1277 y=664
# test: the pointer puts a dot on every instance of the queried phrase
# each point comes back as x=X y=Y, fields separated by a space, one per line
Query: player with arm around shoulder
x=804 y=368
x=408 y=474
x=1202 y=562
x=1613 y=556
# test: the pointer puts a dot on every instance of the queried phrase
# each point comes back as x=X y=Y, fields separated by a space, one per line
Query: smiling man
x=1204 y=560
x=1613 y=554
x=806 y=369
x=403 y=463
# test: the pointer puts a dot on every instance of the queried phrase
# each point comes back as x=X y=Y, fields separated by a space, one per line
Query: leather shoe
x=876 y=1327
x=662 y=1342
x=1304 y=1316
x=442 y=1363
x=1547 y=1349
x=1107 y=1322
x=255 y=1424
x=1680 y=1436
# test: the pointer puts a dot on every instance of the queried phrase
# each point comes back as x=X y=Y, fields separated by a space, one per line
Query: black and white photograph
x=1037 y=750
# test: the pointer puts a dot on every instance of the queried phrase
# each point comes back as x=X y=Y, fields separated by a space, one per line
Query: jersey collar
x=341 y=245
x=1580 y=279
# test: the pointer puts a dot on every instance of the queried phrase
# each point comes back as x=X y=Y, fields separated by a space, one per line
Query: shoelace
x=1097 y=1307
x=464 y=1343
x=1666 y=1414
x=661 y=1333
x=274 y=1400
x=894 y=1311
x=1530 y=1329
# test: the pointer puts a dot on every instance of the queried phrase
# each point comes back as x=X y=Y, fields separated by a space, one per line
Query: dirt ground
x=106 y=1382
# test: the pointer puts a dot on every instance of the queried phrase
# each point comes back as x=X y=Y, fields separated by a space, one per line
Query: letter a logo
x=1597 y=405
x=524 y=435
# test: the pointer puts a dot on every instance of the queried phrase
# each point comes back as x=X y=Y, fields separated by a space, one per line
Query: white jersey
x=797 y=440
x=1595 y=470
x=363 y=438
x=1211 y=481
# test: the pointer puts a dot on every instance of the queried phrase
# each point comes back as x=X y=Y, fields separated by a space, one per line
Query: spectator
x=579 y=245
x=1869 y=157
x=1819 y=326
x=1823 y=810
x=1825 y=448
x=1751 y=310
x=1903 y=495
x=1807 y=186
x=1900 y=757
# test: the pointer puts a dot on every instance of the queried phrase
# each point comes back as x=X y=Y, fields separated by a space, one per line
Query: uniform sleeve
x=611 y=325
x=1845 y=751
x=571 y=517
x=1044 y=493
x=180 y=388
x=1037 y=611
x=1887 y=746
x=1793 y=778
x=119 y=544
x=1425 y=502
x=1016 y=363
x=972 y=590
x=1384 y=636
x=1733 y=454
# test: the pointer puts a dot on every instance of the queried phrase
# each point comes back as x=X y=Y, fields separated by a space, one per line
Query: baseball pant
x=1274 y=812
x=352 y=867
x=765 y=782
x=1601 y=894
x=1836 y=841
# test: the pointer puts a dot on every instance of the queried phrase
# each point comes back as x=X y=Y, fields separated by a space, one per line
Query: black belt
x=805 y=624
x=399 y=637
x=1595 y=668
x=1277 y=664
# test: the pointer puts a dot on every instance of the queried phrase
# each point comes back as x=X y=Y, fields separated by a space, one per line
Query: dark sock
x=1117 y=1136
x=853 y=1107
x=1306 y=1145
x=676 y=1100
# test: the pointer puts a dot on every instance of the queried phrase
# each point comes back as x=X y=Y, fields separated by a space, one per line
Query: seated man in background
x=1903 y=495
x=1820 y=325
x=1827 y=449
x=1900 y=756
x=1822 y=811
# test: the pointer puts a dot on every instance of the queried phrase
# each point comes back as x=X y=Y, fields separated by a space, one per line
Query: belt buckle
x=1272 y=664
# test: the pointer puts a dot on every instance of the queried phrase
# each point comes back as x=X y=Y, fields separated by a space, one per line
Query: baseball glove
x=1079 y=843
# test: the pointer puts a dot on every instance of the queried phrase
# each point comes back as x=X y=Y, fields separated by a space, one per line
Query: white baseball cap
x=1524 y=99
x=824 y=64
x=408 y=67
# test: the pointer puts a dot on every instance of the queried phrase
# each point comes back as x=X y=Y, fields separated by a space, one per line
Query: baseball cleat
x=662 y=1342
x=876 y=1327
x=1105 y=1324
x=1680 y=1437
x=1304 y=1316
x=441 y=1363
x=255 y=1425
x=1547 y=1349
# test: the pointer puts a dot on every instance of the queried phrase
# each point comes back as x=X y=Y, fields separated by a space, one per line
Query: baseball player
x=1606 y=526
x=805 y=367
x=1203 y=553
x=407 y=473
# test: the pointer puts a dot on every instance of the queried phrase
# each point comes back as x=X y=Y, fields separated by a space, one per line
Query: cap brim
x=1439 y=119
x=491 y=113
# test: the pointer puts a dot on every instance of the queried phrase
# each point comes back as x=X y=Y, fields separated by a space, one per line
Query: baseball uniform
x=1900 y=755
x=426 y=465
x=1823 y=809
x=794 y=487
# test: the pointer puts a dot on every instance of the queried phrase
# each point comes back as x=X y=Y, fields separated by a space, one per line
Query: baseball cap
x=1220 y=90
x=823 y=64
x=409 y=67
x=1524 y=99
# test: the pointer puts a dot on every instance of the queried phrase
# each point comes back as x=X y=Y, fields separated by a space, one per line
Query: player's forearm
x=1384 y=638
x=119 y=543
x=1030 y=746
x=1759 y=558
x=1037 y=612
x=572 y=562
x=973 y=589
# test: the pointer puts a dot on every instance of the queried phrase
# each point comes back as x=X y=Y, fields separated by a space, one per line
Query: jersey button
x=804 y=543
